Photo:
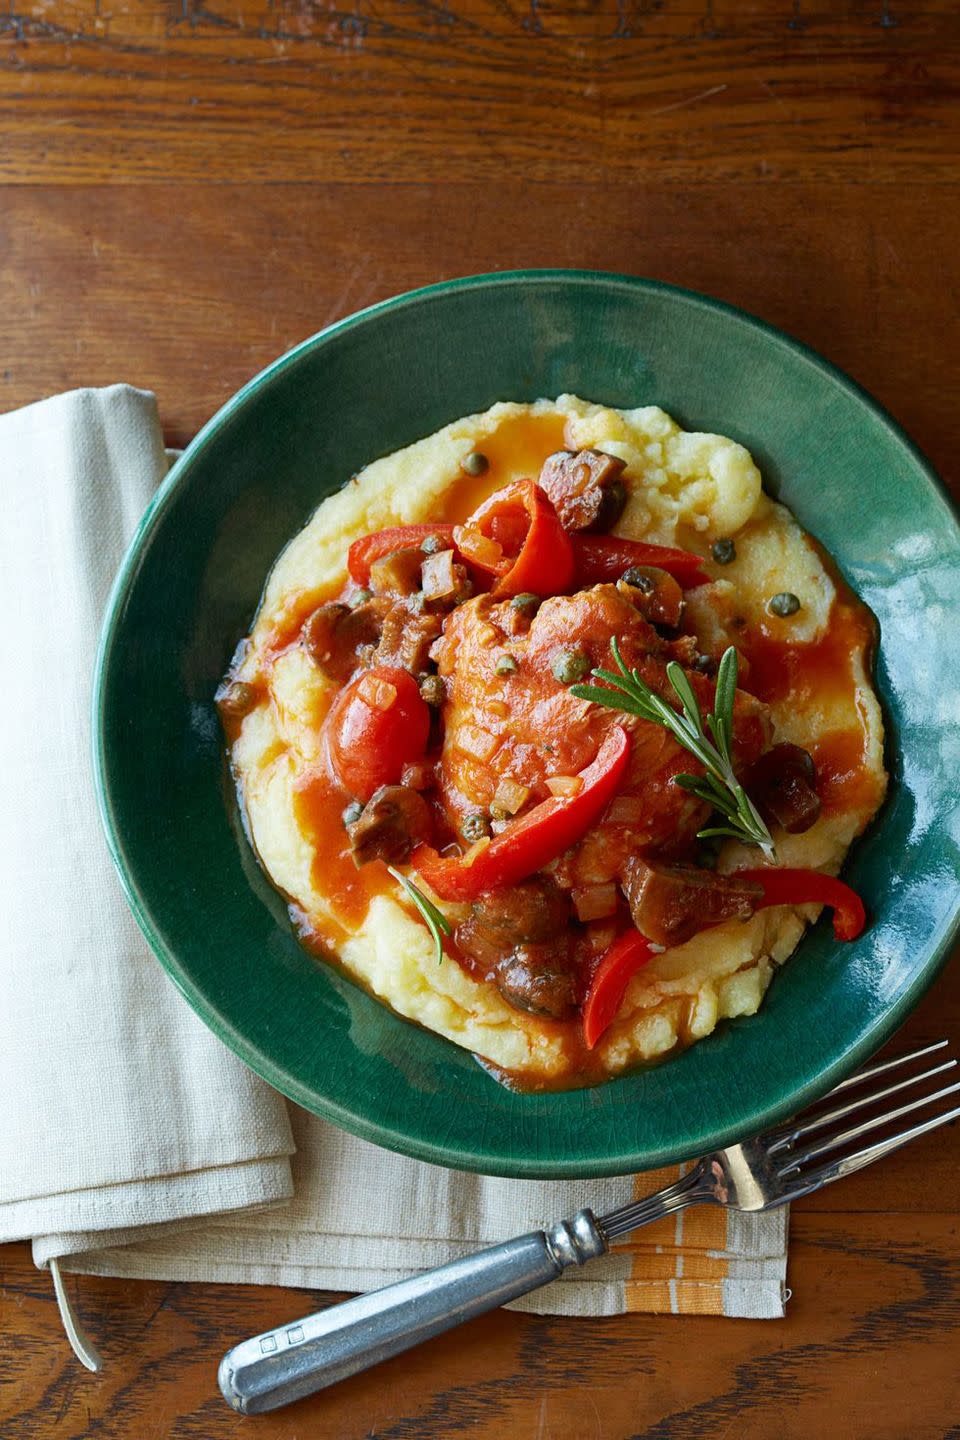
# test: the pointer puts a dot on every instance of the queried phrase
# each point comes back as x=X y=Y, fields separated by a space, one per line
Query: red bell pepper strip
x=535 y=551
x=603 y=558
x=368 y=548
x=808 y=887
x=535 y=839
x=781 y=886
x=596 y=558
x=628 y=954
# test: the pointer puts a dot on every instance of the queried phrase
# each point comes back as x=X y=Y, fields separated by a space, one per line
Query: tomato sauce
x=516 y=449
x=781 y=670
x=844 y=781
x=318 y=808
x=823 y=671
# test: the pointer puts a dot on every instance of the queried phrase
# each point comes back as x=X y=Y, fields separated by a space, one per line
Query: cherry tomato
x=378 y=724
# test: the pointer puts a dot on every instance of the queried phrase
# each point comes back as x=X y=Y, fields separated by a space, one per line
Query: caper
x=639 y=579
x=612 y=505
x=432 y=689
x=784 y=604
x=430 y=544
x=526 y=603
x=476 y=463
x=569 y=666
x=723 y=551
x=352 y=813
x=506 y=665
x=475 y=827
x=361 y=598
x=704 y=665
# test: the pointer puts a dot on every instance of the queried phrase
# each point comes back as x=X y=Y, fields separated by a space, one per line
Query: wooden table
x=188 y=190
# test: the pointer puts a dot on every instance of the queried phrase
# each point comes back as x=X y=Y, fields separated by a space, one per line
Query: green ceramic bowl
x=189 y=587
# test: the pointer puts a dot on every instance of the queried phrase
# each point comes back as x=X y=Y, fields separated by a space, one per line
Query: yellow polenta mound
x=684 y=490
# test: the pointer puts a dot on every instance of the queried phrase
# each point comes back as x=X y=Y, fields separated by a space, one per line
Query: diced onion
x=511 y=796
x=626 y=810
x=438 y=577
x=563 y=786
x=378 y=694
x=595 y=902
x=478 y=547
x=477 y=848
x=476 y=742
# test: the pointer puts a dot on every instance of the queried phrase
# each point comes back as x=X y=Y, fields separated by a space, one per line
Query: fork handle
x=306 y=1355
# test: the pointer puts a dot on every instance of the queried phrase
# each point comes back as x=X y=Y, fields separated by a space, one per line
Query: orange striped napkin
x=705 y=1260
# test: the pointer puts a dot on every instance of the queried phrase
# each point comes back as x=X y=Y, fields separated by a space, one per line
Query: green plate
x=189 y=587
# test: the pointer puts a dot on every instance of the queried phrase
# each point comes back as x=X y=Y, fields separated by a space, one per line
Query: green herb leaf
x=691 y=706
x=722 y=728
x=434 y=919
x=710 y=741
x=693 y=783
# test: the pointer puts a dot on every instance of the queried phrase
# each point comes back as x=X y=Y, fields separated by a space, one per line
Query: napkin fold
x=363 y=1217
x=122 y=1111
x=132 y=1142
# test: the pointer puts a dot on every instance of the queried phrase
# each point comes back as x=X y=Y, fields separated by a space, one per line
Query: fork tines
x=794 y=1163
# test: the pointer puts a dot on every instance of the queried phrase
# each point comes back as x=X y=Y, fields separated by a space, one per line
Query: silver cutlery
x=791 y=1160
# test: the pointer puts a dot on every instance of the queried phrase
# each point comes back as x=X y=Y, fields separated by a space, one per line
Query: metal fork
x=791 y=1160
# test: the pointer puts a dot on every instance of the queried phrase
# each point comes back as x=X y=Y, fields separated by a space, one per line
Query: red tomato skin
x=368 y=747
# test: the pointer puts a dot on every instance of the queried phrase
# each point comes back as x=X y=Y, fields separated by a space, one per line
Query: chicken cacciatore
x=477 y=740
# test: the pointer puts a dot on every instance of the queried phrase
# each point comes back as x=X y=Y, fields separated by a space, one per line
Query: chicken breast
x=510 y=716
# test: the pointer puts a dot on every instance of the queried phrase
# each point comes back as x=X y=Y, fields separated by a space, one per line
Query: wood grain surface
x=187 y=190
x=453 y=90
x=868 y=1348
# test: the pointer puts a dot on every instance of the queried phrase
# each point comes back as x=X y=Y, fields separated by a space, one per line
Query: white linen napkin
x=362 y=1217
x=131 y=1141
x=121 y=1110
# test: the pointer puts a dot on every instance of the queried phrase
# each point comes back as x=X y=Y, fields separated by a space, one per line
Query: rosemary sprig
x=711 y=742
x=434 y=919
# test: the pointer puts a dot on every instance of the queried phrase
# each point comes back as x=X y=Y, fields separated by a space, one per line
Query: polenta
x=410 y=706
